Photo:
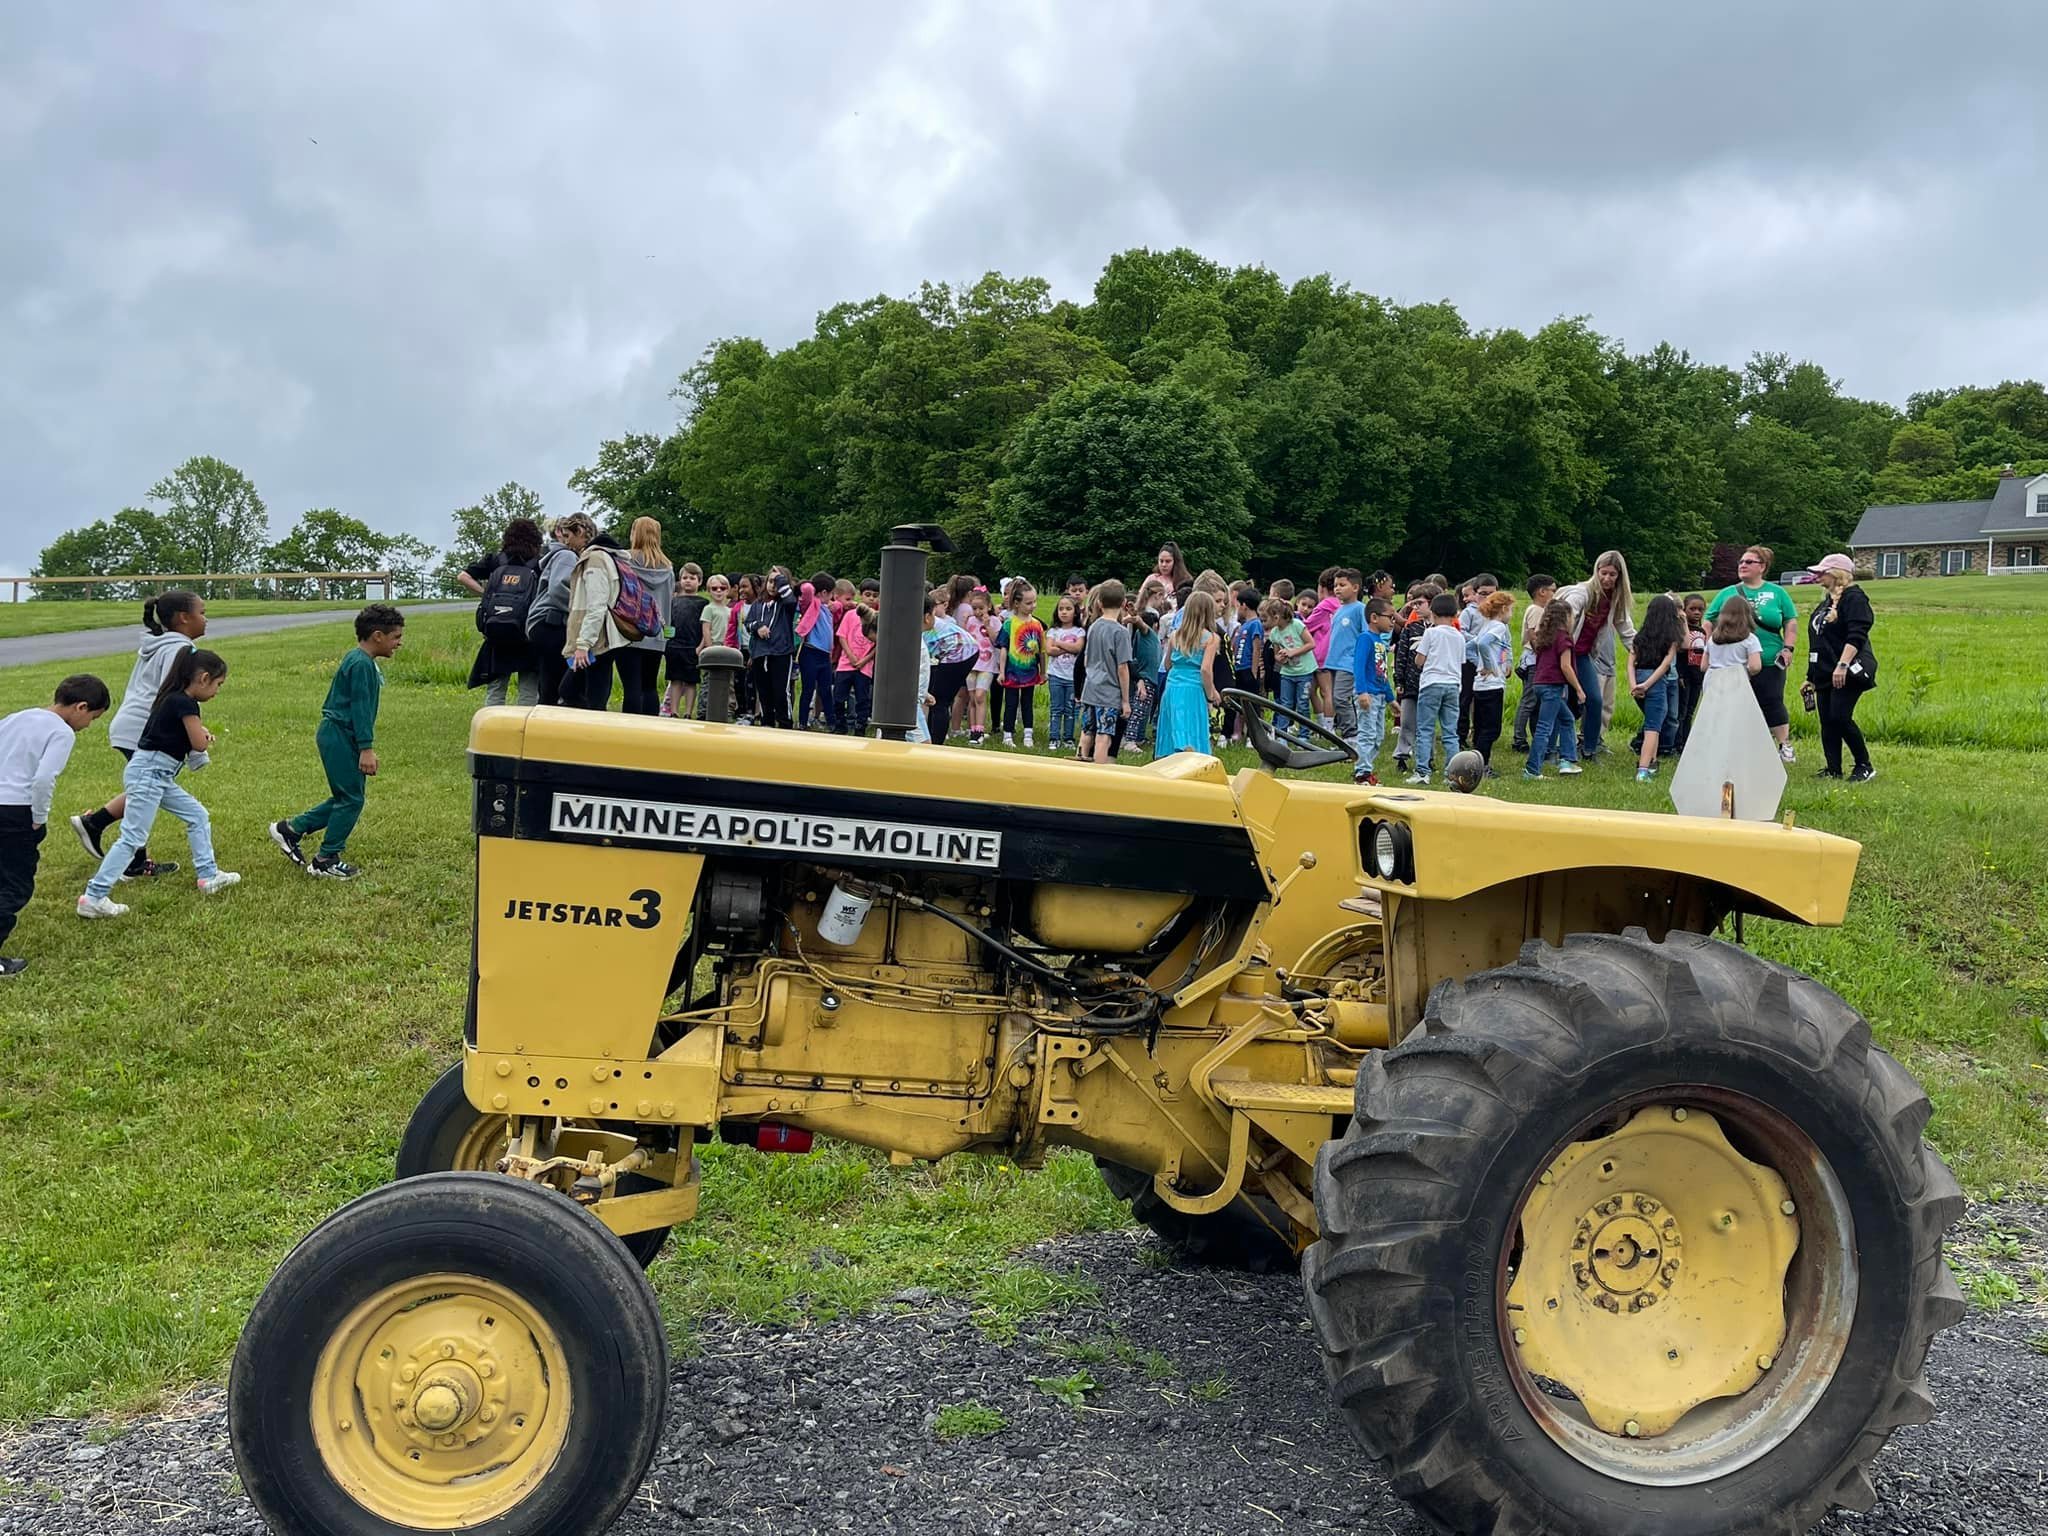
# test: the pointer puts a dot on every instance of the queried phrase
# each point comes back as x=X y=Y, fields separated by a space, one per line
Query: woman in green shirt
x=1777 y=623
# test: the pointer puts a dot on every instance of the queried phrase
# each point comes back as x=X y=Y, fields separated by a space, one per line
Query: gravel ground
x=1207 y=1414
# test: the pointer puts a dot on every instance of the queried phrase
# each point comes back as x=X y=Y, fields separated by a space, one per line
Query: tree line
x=1267 y=427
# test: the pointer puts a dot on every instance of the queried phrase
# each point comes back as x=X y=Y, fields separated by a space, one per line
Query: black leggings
x=1486 y=708
x=948 y=678
x=1837 y=707
x=771 y=689
x=1017 y=701
x=640 y=675
x=548 y=637
x=591 y=688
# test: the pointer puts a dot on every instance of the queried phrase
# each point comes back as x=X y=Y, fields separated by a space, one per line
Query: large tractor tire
x=1632 y=1236
x=450 y=1352
x=448 y=1134
x=1236 y=1237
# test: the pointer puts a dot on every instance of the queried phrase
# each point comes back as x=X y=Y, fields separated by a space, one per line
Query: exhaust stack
x=899 y=627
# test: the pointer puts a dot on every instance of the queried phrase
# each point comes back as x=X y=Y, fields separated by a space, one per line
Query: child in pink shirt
x=1317 y=623
x=853 y=681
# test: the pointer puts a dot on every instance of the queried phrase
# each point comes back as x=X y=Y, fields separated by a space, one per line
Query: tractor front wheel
x=448 y=1134
x=451 y=1351
x=1632 y=1236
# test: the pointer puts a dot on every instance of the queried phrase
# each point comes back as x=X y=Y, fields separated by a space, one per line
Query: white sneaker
x=1418 y=778
x=1567 y=769
x=1006 y=740
x=219 y=882
x=99 y=906
x=1027 y=736
x=1786 y=754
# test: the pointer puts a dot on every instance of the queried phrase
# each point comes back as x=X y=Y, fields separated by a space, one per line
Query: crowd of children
x=161 y=736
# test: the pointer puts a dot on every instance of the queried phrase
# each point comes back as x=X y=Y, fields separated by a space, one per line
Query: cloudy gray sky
x=520 y=222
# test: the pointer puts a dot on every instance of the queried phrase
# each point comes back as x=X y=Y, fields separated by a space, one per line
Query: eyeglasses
x=1749 y=560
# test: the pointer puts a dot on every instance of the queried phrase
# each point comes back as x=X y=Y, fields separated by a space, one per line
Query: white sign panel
x=821 y=837
x=1729 y=744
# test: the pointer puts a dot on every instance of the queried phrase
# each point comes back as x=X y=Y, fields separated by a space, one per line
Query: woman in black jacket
x=1840 y=666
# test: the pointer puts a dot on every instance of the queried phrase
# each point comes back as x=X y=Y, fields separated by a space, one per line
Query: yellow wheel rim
x=441 y=1402
x=483 y=1145
x=1690 y=1302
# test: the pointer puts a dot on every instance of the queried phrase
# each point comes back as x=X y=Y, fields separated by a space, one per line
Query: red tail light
x=774 y=1136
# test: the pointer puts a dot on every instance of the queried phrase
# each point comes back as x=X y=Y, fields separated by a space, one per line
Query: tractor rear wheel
x=1236 y=1237
x=1632 y=1236
x=452 y=1351
x=448 y=1134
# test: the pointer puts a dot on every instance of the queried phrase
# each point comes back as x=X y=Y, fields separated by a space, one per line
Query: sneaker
x=974 y=738
x=11 y=968
x=1645 y=775
x=1027 y=736
x=281 y=833
x=329 y=867
x=218 y=883
x=1828 y=773
x=1007 y=741
x=1365 y=776
x=1569 y=768
x=99 y=906
x=1528 y=775
x=1491 y=772
x=1418 y=778
x=1862 y=775
x=148 y=869
x=87 y=835
x=1400 y=764
x=1786 y=754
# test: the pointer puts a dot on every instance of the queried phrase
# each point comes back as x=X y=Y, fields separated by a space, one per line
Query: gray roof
x=1927 y=522
x=2008 y=512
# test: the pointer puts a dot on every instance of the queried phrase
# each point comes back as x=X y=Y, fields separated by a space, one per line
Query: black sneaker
x=11 y=968
x=88 y=834
x=1862 y=774
x=329 y=867
x=1828 y=773
x=281 y=833
x=149 y=869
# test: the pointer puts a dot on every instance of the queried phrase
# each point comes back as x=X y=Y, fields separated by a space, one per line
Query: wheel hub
x=437 y=1401
x=1652 y=1273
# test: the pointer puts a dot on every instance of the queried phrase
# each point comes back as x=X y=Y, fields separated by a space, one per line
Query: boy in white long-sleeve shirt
x=35 y=744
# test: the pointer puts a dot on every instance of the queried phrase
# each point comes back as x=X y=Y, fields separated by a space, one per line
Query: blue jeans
x=150 y=782
x=1372 y=728
x=1592 y=717
x=1660 y=704
x=1059 y=730
x=1436 y=709
x=1553 y=721
x=1294 y=695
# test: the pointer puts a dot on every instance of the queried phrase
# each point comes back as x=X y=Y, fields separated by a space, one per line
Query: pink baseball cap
x=1840 y=563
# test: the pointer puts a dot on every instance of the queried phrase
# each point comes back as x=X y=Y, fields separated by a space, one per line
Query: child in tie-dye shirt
x=1021 y=644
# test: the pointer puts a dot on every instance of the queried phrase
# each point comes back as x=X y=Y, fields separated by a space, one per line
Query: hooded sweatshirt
x=551 y=600
x=152 y=660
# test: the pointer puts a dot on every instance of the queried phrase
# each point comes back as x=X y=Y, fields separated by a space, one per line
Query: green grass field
x=48 y=618
x=184 y=1092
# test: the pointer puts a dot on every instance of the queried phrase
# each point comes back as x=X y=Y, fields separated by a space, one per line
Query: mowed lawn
x=184 y=1092
x=43 y=617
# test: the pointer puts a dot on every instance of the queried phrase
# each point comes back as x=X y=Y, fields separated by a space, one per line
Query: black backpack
x=501 y=612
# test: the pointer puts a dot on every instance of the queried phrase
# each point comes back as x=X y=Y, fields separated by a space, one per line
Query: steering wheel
x=1273 y=751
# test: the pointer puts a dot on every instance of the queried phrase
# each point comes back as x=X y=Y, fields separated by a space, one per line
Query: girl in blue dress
x=1184 y=706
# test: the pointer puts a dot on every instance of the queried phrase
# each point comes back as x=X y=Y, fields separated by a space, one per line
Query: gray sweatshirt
x=152 y=661
x=660 y=581
x=551 y=602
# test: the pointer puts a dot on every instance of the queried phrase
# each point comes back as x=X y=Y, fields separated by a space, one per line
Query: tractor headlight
x=1386 y=852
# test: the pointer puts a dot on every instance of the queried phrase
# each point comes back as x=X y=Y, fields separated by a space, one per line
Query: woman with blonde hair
x=639 y=662
x=1602 y=611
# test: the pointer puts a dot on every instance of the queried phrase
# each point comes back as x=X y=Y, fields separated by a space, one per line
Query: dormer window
x=2037 y=497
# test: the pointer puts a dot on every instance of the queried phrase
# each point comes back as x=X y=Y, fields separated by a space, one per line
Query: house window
x=1890 y=562
x=1954 y=561
x=2037 y=500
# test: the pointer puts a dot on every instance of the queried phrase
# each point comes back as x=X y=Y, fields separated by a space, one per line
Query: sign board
x=1729 y=744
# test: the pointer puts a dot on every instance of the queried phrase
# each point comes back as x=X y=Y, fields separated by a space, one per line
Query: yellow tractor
x=1604 y=1225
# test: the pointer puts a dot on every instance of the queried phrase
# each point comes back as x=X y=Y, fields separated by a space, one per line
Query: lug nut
x=1787 y=1207
x=1763 y=1362
x=1678 y=1114
x=1546 y=1179
x=1632 y=1429
x=408 y=1372
x=1521 y=1336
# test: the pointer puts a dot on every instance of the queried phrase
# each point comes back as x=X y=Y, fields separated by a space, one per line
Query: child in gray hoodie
x=173 y=622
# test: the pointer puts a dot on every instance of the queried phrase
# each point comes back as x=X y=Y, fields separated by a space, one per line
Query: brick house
x=2004 y=534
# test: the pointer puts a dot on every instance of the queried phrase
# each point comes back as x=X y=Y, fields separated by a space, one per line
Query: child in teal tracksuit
x=1372 y=669
x=346 y=737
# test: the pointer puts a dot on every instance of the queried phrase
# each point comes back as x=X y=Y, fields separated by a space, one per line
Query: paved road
x=77 y=644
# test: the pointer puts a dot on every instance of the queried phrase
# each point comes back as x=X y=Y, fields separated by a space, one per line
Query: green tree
x=327 y=540
x=1107 y=470
x=213 y=515
x=1785 y=491
x=481 y=526
x=133 y=541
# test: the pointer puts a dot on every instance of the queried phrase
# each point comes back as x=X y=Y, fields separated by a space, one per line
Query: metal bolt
x=644 y=1108
x=1787 y=1207
x=488 y=1413
x=1678 y=1114
x=484 y=1368
x=1763 y=1362
x=596 y=1105
x=499 y=1101
x=1521 y=1337
x=1546 y=1179
x=347 y=1425
x=408 y=1372
x=504 y=1069
x=447 y=1350
x=668 y=1110
x=597 y=1074
x=1632 y=1429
